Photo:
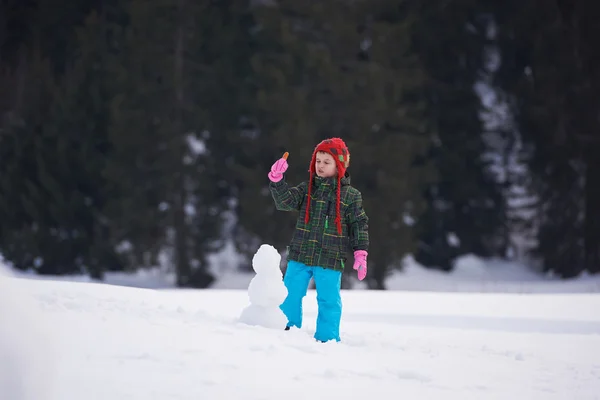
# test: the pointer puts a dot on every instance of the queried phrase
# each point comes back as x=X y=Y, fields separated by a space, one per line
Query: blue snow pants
x=329 y=301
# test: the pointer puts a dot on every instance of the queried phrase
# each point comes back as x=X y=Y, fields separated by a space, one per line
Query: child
x=331 y=217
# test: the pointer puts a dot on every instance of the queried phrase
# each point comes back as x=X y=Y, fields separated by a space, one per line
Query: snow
x=471 y=274
x=115 y=342
x=475 y=275
x=26 y=352
x=266 y=291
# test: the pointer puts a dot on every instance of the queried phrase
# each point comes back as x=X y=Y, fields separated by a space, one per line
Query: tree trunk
x=592 y=213
x=179 y=223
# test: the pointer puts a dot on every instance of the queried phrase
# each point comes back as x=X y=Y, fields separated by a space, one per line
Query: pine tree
x=56 y=143
x=549 y=66
x=165 y=199
x=31 y=192
x=465 y=207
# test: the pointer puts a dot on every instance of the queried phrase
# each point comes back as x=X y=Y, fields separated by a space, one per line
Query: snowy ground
x=96 y=341
x=471 y=274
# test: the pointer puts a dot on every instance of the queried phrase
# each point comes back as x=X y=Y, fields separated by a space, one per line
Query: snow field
x=117 y=343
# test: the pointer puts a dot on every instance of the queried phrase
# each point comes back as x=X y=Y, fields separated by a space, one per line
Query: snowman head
x=266 y=260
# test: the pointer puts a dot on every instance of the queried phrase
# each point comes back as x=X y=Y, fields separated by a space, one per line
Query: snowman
x=266 y=291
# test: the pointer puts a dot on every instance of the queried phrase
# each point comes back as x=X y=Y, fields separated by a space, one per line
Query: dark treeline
x=137 y=130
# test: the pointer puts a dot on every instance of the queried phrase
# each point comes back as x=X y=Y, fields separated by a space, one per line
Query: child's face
x=325 y=165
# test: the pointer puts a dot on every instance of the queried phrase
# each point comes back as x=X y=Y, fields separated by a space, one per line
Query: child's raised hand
x=360 y=263
x=278 y=168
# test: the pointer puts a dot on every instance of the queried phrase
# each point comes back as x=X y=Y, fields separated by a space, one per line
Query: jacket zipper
x=327 y=213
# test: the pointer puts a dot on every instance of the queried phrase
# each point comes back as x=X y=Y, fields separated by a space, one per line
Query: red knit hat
x=341 y=155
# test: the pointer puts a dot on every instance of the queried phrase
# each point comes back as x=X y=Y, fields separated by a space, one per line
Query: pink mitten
x=360 y=263
x=278 y=169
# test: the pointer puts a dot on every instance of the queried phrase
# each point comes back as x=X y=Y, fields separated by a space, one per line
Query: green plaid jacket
x=318 y=243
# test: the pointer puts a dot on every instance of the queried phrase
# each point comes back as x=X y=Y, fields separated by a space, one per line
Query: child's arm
x=287 y=198
x=358 y=224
